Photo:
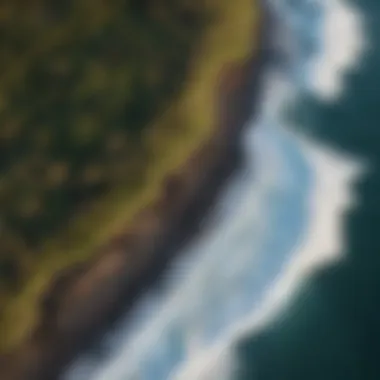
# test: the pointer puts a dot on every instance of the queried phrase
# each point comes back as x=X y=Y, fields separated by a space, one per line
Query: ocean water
x=284 y=282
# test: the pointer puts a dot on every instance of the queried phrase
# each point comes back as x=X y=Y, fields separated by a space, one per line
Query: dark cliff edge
x=87 y=299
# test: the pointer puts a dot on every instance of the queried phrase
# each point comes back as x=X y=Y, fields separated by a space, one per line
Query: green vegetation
x=80 y=82
x=99 y=100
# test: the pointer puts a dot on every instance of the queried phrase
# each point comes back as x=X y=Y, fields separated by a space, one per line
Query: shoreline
x=86 y=299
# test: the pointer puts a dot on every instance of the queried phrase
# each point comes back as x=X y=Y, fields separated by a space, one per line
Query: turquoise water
x=227 y=310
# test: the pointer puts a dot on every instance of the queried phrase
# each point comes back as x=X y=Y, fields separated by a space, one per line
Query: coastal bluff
x=83 y=299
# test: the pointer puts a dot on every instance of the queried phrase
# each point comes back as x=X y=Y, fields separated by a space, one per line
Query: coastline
x=86 y=298
x=218 y=361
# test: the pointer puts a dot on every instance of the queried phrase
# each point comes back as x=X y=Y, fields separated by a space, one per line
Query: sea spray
x=321 y=244
x=343 y=46
x=340 y=47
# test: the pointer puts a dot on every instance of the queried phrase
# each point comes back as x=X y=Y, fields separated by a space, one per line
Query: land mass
x=88 y=295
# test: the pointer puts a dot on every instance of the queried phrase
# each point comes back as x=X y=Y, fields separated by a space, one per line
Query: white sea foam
x=343 y=44
x=323 y=243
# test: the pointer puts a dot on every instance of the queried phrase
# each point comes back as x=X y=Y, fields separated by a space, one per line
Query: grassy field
x=174 y=128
